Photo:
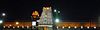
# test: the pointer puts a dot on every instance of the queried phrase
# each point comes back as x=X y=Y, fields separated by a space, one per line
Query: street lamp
x=17 y=22
x=81 y=27
x=55 y=10
x=75 y=27
x=57 y=20
x=33 y=23
x=94 y=27
x=88 y=27
x=1 y=21
x=63 y=27
x=58 y=11
x=3 y=14
x=69 y=27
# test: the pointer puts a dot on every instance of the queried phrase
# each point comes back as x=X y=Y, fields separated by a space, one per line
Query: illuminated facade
x=75 y=24
x=46 y=19
x=17 y=24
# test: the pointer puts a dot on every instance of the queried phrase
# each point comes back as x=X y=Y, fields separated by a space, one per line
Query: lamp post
x=55 y=10
x=3 y=14
x=1 y=21
x=57 y=21
x=56 y=17
x=1 y=24
x=17 y=23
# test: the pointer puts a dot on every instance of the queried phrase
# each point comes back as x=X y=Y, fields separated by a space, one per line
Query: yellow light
x=47 y=8
x=17 y=22
x=4 y=26
x=17 y=26
x=34 y=16
x=38 y=15
x=45 y=28
x=10 y=25
x=88 y=27
x=22 y=26
x=27 y=26
x=81 y=27
x=75 y=27
x=44 y=8
x=35 y=13
x=69 y=27
x=94 y=27
x=13 y=27
x=63 y=27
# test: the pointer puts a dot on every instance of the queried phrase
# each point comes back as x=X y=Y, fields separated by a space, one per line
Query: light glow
x=81 y=27
x=35 y=13
x=47 y=8
x=88 y=27
x=22 y=26
x=69 y=27
x=3 y=26
x=55 y=10
x=3 y=14
x=57 y=27
x=58 y=11
x=57 y=20
x=75 y=27
x=94 y=27
x=45 y=25
x=17 y=22
x=10 y=25
x=33 y=23
x=63 y=27
x=13 y=27
x=1 y=21
x=27 y=26
x=17 y=26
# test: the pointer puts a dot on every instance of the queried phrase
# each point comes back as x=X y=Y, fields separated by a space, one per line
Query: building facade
x=45 y=21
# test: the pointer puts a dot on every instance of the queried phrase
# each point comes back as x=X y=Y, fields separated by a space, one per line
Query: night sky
x=71 y=10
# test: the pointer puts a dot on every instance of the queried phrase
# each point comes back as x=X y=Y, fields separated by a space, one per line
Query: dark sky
x=71 y=10
x=78 y=10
